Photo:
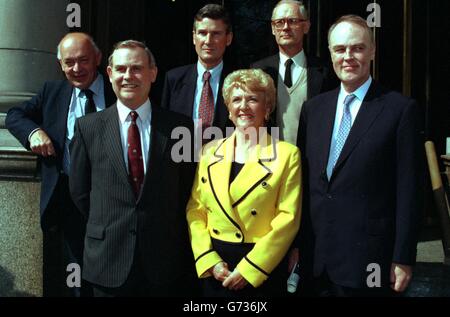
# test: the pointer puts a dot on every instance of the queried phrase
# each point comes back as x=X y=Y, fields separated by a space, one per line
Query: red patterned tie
x=206 y=107
x=135 y=162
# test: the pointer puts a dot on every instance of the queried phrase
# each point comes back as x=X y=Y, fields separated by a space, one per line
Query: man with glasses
x=297 y=77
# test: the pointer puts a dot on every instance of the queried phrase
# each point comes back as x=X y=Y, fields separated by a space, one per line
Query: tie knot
x=349 y=99
x=88 y=93
x=206 y=75
x=288 y=63
x=134 y=115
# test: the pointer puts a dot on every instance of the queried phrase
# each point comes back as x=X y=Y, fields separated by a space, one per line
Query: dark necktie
x=287 y=74
x=135 y=161
x=89 y=107
x=206 y=106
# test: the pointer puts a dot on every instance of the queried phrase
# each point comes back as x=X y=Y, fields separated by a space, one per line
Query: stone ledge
x=18 y=165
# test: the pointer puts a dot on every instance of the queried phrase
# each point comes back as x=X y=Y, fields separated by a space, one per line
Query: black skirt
x=232 y=254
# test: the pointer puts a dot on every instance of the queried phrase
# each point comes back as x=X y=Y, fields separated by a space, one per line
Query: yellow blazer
x=261 y=206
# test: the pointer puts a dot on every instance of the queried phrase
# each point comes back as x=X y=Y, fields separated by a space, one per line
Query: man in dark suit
x=132 y=192
x=297 y=77
x=45 y=125
x=361 y=147
x=196 y=90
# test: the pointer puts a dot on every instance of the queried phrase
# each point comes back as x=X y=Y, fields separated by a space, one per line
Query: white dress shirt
x=144 y=124
x=214 y=82
x=76 y=110
x=297 y=67
x=360 y=93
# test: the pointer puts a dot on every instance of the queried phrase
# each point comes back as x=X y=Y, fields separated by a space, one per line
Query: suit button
x=253 y=212
x=264 y=184
x=329 y=196
x=133 y=232
x=216 y=231
x=238 y=235
x=203 y=180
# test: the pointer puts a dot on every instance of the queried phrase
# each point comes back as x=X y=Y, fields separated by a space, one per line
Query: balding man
x=45 y=125
x=361 y=152
x=297 y=76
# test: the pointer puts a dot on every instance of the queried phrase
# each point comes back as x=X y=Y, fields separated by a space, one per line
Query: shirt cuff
x=29 y=136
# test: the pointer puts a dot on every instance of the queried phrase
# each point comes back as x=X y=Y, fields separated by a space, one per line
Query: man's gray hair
x=133 y=44
x=91 y=40
x=356 y=20
x=300 y=5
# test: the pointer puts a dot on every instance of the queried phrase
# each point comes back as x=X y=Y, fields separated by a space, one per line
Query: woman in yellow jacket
x=244 y=210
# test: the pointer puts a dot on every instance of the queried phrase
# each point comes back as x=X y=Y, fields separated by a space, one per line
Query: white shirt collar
x=215 y=72
x=299 y=59
x=360 y=92
x=96 y=87
x=144 y=111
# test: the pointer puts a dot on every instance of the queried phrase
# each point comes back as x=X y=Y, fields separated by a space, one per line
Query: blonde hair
x=253 y=80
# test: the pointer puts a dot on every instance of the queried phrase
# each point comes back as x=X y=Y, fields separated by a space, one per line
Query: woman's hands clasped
x=231 y=280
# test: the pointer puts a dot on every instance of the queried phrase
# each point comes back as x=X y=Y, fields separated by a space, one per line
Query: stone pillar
x=30 y=32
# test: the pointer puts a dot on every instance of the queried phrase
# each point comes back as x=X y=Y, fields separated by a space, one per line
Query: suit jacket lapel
x=113 y=144
x=273 y=68
x=273 y=71
x=158 y=144
x=110 y=97
x=189 y=86
x=63 y=105
x=254 y=172
x=221 y=113
x=324 y=133
x=314 y=79
x=219 y=175
x=370 y=109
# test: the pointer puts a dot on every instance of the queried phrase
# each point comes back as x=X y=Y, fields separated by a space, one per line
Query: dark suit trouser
x=138 y=285
x=327 y=288
x=63 y=244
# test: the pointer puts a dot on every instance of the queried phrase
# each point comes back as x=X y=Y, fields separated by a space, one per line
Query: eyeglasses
x=292 y=22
